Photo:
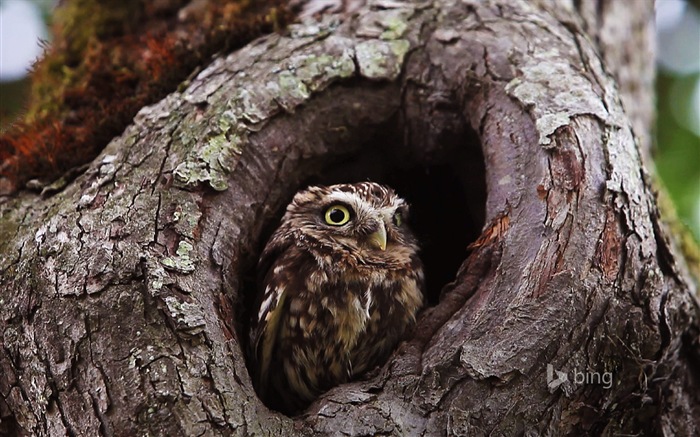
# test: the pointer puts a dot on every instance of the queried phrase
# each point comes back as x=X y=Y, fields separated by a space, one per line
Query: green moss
x=81 y=27
x=85 y=21
x=109 y=58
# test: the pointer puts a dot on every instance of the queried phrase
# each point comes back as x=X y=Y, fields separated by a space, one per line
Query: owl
x=340 y=284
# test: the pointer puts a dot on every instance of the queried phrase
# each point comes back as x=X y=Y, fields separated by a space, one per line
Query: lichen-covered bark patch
x=381 y=59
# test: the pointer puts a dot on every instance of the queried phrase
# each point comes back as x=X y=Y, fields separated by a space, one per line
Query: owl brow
x=346 y=199
x=328 y=204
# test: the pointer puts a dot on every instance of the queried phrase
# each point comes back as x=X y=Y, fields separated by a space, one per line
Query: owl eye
x=398 y=218
x=337 y=215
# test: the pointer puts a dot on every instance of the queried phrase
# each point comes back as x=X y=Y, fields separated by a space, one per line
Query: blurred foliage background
x=23 y=33
x=677 y=139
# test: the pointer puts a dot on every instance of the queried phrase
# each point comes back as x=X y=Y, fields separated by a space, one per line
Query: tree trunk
x=126 y=295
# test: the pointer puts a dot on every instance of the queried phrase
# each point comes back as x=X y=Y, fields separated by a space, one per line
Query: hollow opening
x=446 y=191
x=445 y=187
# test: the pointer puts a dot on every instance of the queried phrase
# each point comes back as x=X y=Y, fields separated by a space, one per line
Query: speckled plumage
x=335 y=299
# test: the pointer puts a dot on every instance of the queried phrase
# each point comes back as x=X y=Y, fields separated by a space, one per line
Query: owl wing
x=270 y=308
x=267 y=331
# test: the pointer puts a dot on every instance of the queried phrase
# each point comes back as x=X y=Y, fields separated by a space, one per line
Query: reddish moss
x=109 y=59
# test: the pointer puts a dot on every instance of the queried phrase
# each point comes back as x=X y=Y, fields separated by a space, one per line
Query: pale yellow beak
x=378 y=238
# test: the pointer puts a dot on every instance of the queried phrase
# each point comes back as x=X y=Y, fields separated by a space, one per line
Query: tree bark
x=126 y=294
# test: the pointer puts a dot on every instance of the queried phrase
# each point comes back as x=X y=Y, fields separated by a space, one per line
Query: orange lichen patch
x=109 y=59
x=495 y=232
x=608 y=255
x=542 y=192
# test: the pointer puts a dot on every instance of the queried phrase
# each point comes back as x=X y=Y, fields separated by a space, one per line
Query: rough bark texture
x=123 y=305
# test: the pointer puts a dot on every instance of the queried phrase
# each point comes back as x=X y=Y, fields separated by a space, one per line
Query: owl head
x=367 y=220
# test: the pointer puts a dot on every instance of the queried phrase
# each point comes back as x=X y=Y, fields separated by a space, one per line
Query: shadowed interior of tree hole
x=444 y=185
x=445 y=188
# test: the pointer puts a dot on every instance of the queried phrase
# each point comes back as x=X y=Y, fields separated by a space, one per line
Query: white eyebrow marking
x=350 y=199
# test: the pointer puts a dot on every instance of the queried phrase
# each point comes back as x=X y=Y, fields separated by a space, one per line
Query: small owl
x=341 y=283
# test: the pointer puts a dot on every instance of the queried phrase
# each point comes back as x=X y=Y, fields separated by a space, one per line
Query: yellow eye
x=337 y=215
x=398 y=219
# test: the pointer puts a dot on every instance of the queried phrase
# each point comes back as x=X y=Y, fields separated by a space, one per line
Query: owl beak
x=378 y=237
